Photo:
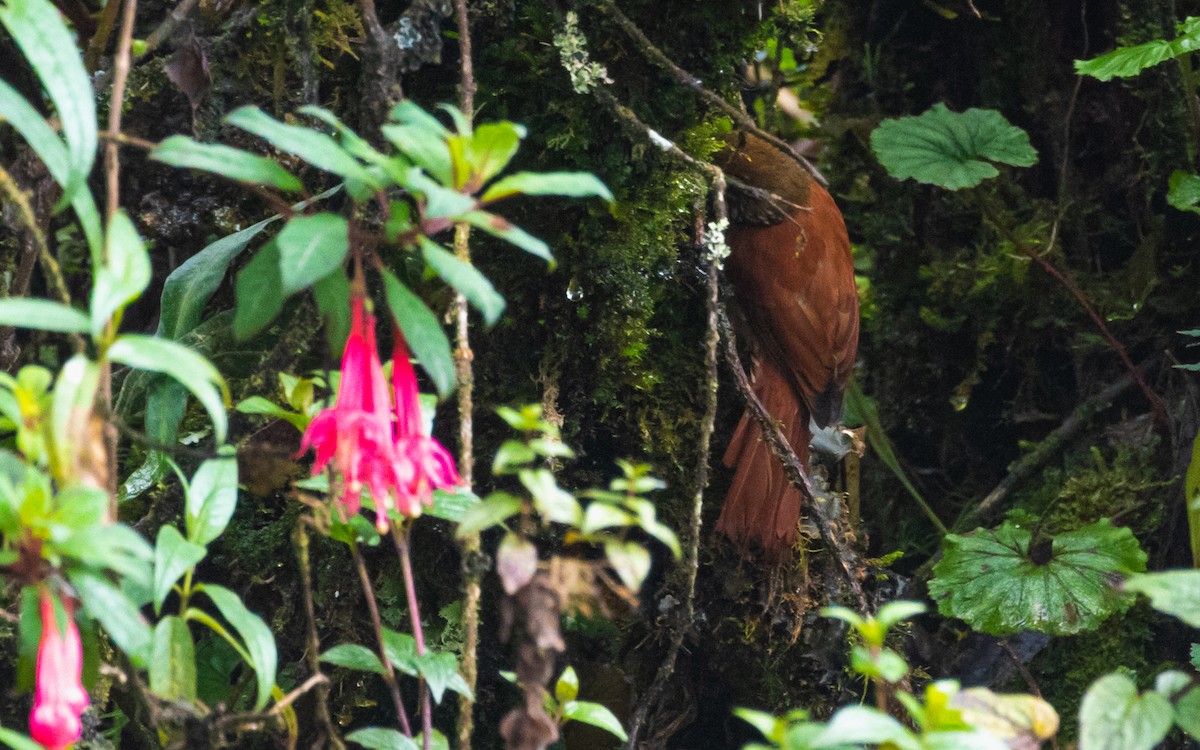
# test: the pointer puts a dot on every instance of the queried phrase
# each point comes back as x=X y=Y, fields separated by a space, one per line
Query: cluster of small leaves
x=1124 y=62
x=572 y=49
x=606 y=520
x=564 y=706
x=1006 y=580
x=435 y=178
x=950 y=149
x=943 y=718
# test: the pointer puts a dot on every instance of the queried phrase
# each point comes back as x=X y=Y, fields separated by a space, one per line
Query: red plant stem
x=389 y=673
x=400 y=537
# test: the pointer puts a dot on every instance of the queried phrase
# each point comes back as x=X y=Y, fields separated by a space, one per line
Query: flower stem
x=400 y=538
x=389 y=673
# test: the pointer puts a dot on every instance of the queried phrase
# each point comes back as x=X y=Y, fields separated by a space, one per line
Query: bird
x=793 y=280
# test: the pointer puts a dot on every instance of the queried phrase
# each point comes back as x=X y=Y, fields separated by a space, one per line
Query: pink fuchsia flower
x=356 y=432
x=58 y=697
x=422 y=464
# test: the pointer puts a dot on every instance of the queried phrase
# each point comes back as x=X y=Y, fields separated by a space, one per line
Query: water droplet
x=574 y=293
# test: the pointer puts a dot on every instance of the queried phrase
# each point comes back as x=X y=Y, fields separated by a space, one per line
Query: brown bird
x=793 y=276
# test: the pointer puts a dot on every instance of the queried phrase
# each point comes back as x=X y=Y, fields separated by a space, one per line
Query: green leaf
x=74 y=398
x=487 y=151
x=260 y=644
x=189 y=287
x=859 y=725
x=260 y=405
x=998 y=585
x=401 y=651
x=259 y=292
x=393 y=166
x=1191 y=494
x=356 y=657
x=232 y=163
x=114 y=547
x=37 y=28
x=440 y=670
x=312 y=146
x=1129 y=61
x=567 y=686
x=595 y=715
x=554 y=503
x=512 y=455
x=1175 y=592
x=173 y=666
x=631 y=561
x=333 y=301
x=895 y=612
x=124 y=276
x=494 y=510
x=948 y=149
x=310 y=248
x=378 y=738
x=498 y=226
x=465 y=278
x=453 y=505
x=440 y=202
x=570 y=184
x=419 y=136
x=18 y=741
x=601 y=515
x=1183 y=191
x=423 y=332
x=1113 y=716
x=173 y=556
x=1185 y=702
x=119 y=616
x=43 y=315
x=212 y=498
x=53 y=153
x=192 y=371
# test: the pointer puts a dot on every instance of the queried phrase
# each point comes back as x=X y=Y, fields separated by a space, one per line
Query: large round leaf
x=1002 y=581
x=949 y=149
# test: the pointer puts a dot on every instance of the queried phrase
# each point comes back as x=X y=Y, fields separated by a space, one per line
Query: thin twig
x=1050 y=446
x=50 y=265
x=692 y=562
x=692 y=82
x=792 y=466
x=116 y=102
x=389 y=672
x=313 y=651
x=464 y=374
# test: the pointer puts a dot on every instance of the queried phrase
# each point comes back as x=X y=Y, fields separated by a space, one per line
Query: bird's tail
x=761 y=506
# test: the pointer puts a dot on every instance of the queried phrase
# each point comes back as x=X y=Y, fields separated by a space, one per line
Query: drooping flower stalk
x=58 y=697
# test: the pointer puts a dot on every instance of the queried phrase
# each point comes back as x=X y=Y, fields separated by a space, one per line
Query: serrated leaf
x=551 y=501
x=258 y=292
x=440 y=670
x=949 y=149
x=631 y=561
x=1129 y=61
x=594 y=715
x=998 y=585
x=211 y=498
x=1175 y=592
x=42 y=315
x=378 y=738
x=310 y=248
x=255 y=634
x=465 y=278
x=495 y=509
x=173 y=664
x=173 y=556
x=1114 y=717
x=124 y=275
x=423 y=332
x=190 y=369
x=569 y=184
x=354 y=656
x=312 y=146
x=452 y=505
x=232 y=163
